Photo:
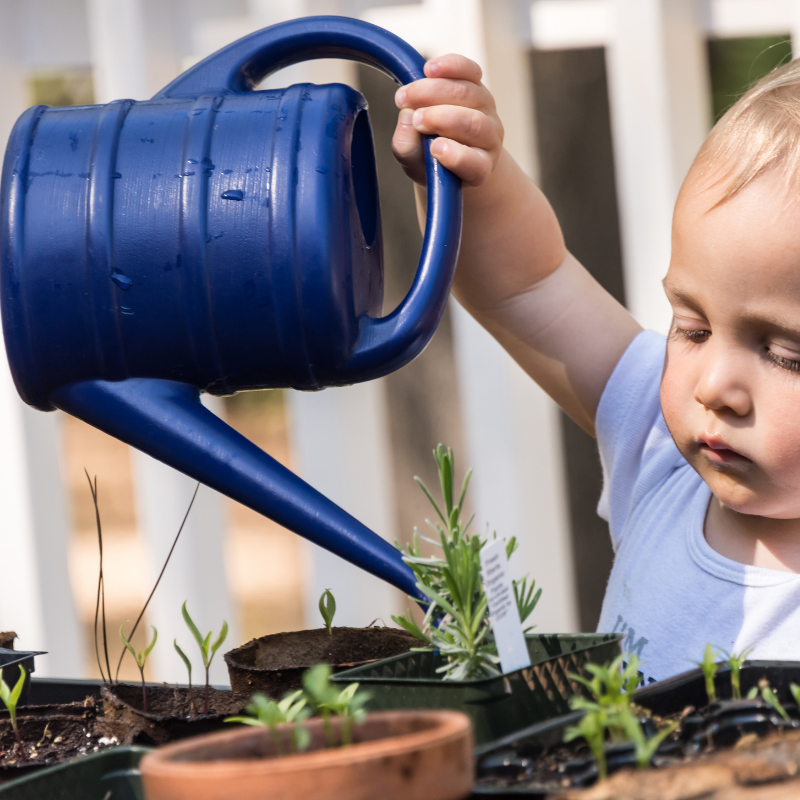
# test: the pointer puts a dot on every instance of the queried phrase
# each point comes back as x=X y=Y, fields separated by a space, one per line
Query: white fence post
x=660 y=113
x=35 y=595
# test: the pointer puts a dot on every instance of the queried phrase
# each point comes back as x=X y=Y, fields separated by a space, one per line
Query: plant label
x=511 y=646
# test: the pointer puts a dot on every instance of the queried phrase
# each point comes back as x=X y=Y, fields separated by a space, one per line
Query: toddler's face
x=730 y=392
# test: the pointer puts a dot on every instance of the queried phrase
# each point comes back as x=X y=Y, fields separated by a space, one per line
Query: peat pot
x=425 y=755
x=275 y=664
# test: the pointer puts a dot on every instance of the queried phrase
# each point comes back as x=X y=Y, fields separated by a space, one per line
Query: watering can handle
x=387 y=343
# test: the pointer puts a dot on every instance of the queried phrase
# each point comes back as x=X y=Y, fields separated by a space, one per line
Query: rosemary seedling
x=457 y=621
x=326 y=700
x=709 y=667
x=610 y=712
x=207 y=649
x=735 y=661
x=769 y=696
x=592 y=728
x=10 y=698
x=266 y=713
x=141 y=658
x=644 y=748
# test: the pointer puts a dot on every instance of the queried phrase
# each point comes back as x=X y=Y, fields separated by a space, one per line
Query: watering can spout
x=166 y=420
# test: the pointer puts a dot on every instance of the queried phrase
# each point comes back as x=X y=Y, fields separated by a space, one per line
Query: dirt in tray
x=50 y=738
x=171 y=701
x=306 y=648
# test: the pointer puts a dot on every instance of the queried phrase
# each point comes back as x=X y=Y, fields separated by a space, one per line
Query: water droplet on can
x=233 y=194
x=121 y=279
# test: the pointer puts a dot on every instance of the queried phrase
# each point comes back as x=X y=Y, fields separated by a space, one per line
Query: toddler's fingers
x=435 y=92
x=453 y=65
x=465 y=125
x=471 y=164
x=407 y=147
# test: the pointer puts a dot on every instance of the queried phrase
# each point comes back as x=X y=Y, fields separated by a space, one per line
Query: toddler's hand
x=452 y=104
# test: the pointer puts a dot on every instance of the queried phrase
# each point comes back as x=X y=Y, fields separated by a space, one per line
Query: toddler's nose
x=723 y=384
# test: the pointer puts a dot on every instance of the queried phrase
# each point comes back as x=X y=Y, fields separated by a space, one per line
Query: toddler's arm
x=514 y=274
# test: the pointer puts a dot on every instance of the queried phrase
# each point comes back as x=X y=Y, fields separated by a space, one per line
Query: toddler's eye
x=783 y=362
x=692 y=334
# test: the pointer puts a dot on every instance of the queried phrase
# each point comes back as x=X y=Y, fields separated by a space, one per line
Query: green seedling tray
x=497 y=706
x=111 y=774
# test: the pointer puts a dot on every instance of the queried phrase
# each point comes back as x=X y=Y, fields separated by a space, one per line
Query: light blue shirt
x=669 y=592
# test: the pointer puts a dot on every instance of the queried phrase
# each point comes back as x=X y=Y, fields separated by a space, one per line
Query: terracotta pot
x=425 y=755
x=275 y=664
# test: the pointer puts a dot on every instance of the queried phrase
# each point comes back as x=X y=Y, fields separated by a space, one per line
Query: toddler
x=699 y=433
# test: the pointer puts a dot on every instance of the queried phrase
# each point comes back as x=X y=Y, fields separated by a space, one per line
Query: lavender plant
x=457 y=621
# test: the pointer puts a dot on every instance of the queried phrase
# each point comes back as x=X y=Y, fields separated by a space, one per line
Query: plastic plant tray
x=101 y=776
x=47 y=691
x=10 y=662
x=497 y=706
x=663 y=698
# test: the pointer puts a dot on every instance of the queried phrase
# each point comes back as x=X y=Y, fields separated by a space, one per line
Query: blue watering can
x=217 y=239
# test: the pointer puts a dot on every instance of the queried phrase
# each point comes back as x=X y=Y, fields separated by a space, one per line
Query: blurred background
x=604 y=103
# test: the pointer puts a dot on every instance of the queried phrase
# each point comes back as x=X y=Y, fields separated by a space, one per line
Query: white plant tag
x=503 y=610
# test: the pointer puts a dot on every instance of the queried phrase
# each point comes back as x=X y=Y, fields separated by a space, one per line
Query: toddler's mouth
x=717 y=451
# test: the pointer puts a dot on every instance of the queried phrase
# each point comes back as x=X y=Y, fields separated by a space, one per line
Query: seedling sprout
x=769 y=696
x=10 y=698
x=141 y=658
x=268 y=713
x=735 y=661
x=188 y=665
x=327 y=607
x=326 y=700
x=709 y=667
x=207 y=650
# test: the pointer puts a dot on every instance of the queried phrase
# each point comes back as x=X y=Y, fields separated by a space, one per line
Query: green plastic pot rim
x=347 y=676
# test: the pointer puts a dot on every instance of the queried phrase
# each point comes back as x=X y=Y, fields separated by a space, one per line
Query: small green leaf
x=192 y=627
x=185 y=659
x=151 y=645
x=327 y=608
x=127 y=643
x=223 y=634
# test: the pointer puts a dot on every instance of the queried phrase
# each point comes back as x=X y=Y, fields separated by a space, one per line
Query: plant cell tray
x=497 y=706
x=663 y=698
x=112 y=773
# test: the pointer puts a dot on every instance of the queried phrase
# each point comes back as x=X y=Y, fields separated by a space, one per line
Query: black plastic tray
x=113 y=774
x=663 y=698
x=10 y=662
x=497 y=706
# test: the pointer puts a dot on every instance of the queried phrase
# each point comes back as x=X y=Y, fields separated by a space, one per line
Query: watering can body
x=217 y=239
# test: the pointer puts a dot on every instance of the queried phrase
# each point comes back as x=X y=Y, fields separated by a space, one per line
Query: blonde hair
x=759 y=132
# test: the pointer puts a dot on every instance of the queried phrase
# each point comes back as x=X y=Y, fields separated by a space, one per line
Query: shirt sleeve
x=632 y=436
